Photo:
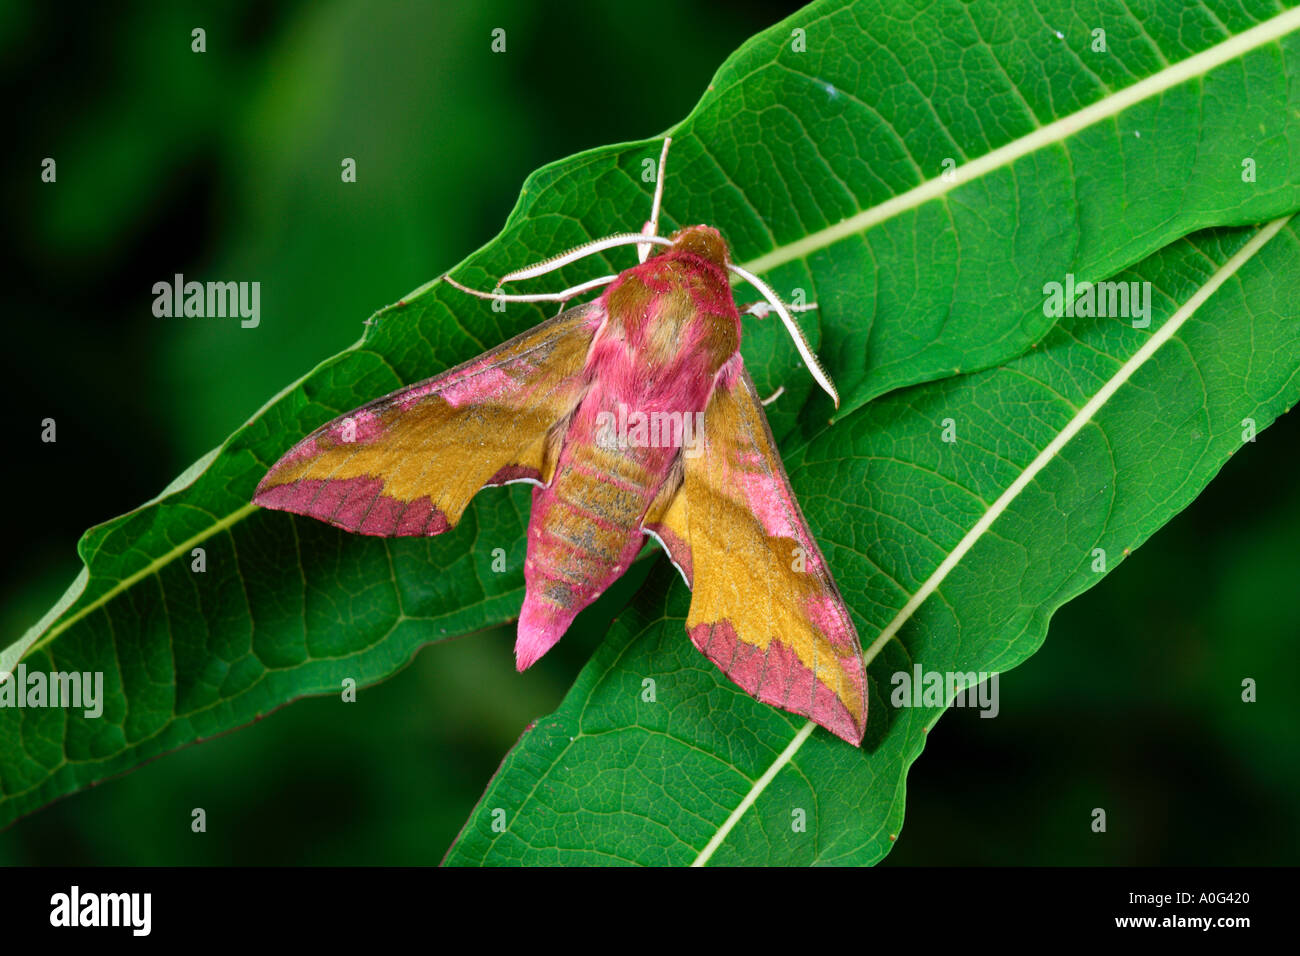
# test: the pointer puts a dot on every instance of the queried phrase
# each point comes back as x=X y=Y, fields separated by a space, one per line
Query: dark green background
x=225 y=165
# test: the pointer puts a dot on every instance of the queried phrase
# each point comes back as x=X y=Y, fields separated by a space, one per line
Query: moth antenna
x=651 y=228
x=579 y=252
x=796 y=333
x=568 y=293
x=774 y=396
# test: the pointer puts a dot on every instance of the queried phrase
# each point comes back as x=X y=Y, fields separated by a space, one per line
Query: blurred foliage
x=225 y=165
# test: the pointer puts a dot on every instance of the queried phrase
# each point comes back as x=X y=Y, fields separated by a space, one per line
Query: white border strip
x=1075 y=425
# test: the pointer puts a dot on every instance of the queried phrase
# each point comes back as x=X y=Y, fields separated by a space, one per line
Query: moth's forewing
x=408 y=463
x=764 y=607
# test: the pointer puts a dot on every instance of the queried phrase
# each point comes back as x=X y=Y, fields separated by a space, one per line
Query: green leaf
x=957 y=552
x=823 y=163
x=921 y=177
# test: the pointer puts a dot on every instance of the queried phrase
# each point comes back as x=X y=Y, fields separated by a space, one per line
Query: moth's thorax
x=674 y=313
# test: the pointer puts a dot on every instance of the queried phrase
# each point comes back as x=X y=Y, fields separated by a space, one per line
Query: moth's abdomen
x=671 y=325
x=598 y=497
x=584 y=531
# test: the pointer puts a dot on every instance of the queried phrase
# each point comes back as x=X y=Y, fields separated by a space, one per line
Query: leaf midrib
x=151 y=568
x=1057 y=131
x=1081 y=418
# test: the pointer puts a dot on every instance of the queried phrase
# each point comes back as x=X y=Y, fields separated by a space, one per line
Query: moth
x=632 y=415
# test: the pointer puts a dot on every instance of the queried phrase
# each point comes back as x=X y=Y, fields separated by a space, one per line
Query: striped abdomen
x=584 y=532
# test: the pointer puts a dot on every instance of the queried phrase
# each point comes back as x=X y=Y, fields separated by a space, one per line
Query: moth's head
x=703 y=241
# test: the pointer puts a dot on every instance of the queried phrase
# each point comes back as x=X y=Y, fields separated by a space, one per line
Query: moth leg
x=774 y=396
x=762 y=309
x=651 y=227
